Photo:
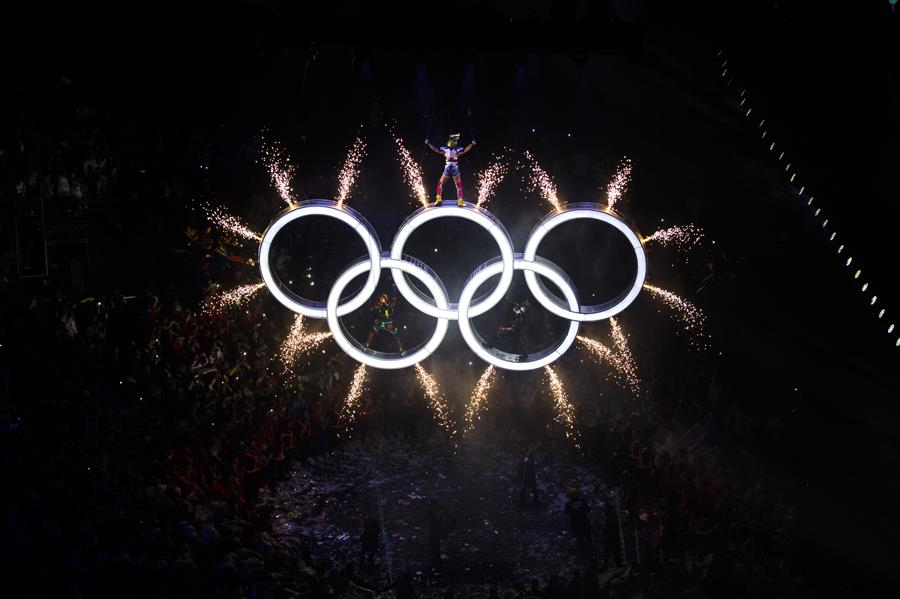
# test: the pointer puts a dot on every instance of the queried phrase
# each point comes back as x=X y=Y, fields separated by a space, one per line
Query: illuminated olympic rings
x=436 y=302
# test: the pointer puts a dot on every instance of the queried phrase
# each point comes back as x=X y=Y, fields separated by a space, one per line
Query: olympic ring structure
x=436 y=302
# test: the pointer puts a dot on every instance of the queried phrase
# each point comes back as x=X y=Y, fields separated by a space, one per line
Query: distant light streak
x=478 y=401
x=299 y=342
x=411 y=171
x=682 y=237
x=350 y=170
x=231 y=298
x=537 y=179
x=350 y=410
x=435 y=398
x=628 y=367
x=565 y=411
x=489 y=179
x=690 y=316
x=228 y=222
x=279 y=167
x=618 y=184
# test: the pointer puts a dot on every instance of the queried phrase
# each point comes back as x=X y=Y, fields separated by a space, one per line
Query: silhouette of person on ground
x=528 y=477
x=577 y=509
x=402 y=587
x=368 y=540
x=438 y=527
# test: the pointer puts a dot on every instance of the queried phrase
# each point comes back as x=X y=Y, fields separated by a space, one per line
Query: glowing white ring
x=439 y=305
x=492 y=355
x=480 y=217
x=342 y=213
x=380 y=359
x=597 y=311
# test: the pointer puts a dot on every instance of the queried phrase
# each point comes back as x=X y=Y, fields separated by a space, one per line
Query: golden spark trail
x=489 y=179
x=230 y=223
x=411 y=171
x=540 y=181
x=350 y=170
x=601 y=353
x=690 y=316
x=435 y=399
x=350 y=409
x=682 y=237
x=280 y=169
x=565 y=411
x=478 y=401
x=299 y=342
x=231 y=298
x=629 y=368
x=618 y=185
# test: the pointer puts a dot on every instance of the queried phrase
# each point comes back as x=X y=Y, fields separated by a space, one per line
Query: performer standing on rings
x=451 y=153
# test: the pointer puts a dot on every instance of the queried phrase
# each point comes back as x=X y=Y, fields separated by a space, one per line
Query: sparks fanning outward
x=489 y=179
x=690 y=316
x=411 y=171
x=350 y=170
x=478 y=401
x=539 y=180
x=436 y=399
x=565 y=411
x=682 y=237
x=228 y=222
x=280 y=169
x=619 y=182
x=350 y=409
x=299 y=342
x=232 y=297
x=629 y=368
x=451 y=153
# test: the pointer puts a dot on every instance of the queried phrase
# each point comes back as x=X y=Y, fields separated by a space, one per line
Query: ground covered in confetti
x=494 y=539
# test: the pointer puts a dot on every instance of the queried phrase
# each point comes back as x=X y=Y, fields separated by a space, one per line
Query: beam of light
x=618 y=184
x=565 y=411
x=231 y=298
x=411 y=171
x=228 y=222
x=279 y=167
x=350 y=410
x=350 y=170
x=628 y=367
x=687 y=314
x=682 y=237
x=436 y=399
x=537 y=179
x=489 y=179
x=602 y=353
x=299 y=342
x=478 y=401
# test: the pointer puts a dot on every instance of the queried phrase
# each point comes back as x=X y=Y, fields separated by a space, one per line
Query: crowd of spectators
x=138 y=432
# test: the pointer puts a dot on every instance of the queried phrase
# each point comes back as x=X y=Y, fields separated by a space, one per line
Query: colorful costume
x=451 y=153
x=514 y=320
x=384 y=319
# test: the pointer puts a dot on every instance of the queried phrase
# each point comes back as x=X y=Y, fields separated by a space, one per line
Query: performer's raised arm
x=467 y=148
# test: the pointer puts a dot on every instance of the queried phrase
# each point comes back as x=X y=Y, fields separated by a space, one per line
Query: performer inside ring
x=451 y=153
x=384 y=319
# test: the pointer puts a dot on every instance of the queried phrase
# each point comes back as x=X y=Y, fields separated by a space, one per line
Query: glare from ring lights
x=397 y=361
x=480 y=217
x=343 y=214
x=584 y=313
x=492 y=269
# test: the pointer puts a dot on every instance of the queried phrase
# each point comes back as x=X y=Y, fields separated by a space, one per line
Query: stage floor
x=322 y=503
